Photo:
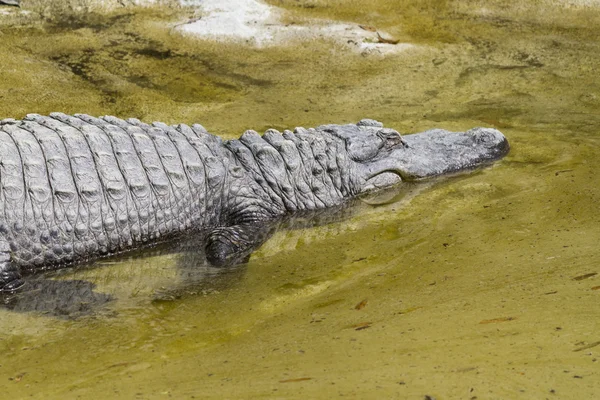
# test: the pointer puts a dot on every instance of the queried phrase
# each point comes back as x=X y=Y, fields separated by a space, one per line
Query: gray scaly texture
x=75 y=188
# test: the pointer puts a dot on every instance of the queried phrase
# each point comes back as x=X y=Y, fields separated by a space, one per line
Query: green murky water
x=481 y=286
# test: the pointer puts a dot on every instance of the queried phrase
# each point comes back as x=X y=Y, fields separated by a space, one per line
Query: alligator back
x=75 y=187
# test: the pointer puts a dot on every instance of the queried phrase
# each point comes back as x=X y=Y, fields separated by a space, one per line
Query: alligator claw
x=12 y=286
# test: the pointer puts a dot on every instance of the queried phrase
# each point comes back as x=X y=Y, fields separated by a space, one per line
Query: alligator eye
x=391 y=138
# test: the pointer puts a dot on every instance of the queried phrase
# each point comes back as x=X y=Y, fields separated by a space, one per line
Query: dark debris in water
x=18 y=378
x=496 y=320
x=361 y=305
x=361 y=326
x=155 y=53
x=295 y=380
x=587 y=346
x=585 y=276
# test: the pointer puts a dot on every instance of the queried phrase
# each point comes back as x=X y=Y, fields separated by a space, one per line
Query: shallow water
x=479 y=286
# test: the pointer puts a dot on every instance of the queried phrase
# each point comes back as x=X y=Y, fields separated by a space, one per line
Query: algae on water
x=482 y=285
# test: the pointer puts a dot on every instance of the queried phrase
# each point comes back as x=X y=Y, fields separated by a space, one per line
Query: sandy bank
x=260 y=24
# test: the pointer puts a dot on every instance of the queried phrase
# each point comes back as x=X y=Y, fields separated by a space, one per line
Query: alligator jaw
x=436 y=152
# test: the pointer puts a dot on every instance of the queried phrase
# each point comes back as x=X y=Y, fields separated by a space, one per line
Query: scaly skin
x=76 y=188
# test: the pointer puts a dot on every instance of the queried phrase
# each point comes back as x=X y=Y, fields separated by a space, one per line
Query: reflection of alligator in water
x=66 y=299
x=76 y=188
x=163 y=273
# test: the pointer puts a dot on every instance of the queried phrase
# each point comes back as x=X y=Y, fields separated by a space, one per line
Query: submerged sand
x=485 y=285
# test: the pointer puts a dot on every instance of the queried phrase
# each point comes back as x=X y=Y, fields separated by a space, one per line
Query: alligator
x=77 y=188
x=10 y=2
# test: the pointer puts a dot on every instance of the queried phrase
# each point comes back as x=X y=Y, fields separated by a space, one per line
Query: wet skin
x=77 y=188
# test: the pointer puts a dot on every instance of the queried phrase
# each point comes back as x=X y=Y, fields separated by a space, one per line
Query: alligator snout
x=436 y=152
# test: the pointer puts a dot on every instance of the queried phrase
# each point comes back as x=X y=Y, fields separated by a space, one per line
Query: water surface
x=480 y=286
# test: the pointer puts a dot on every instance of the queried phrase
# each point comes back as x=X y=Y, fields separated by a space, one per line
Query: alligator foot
x=10 y=278
x=232 y=245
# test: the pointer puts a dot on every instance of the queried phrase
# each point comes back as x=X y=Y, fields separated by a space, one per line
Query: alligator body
x=75 y=188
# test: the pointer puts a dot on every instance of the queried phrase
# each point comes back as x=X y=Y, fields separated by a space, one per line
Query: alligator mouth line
x=383 y=179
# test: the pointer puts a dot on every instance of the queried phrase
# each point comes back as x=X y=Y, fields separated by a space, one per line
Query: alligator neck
x=301 y=170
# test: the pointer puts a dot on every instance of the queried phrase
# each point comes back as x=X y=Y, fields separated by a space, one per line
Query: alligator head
x=384 y=158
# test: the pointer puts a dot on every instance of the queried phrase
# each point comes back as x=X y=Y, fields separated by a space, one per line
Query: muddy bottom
x=480 y=286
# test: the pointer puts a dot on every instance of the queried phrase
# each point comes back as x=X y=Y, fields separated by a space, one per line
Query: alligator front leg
x=227 y=246
x=10 y=278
